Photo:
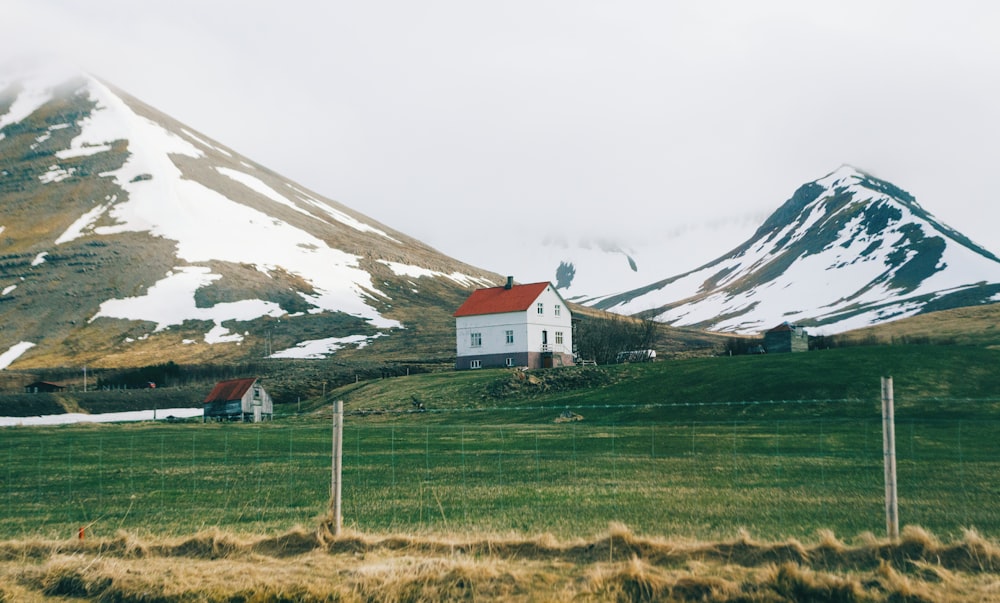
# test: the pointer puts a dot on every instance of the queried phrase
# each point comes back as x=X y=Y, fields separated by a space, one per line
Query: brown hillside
x=975 y=325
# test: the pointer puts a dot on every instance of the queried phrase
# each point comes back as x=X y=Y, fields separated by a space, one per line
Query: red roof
x=224 y=391
x=497 y=300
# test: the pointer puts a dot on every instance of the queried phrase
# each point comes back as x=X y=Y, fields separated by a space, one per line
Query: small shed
x=43 y=387
x=786 y=338
x=243 y=400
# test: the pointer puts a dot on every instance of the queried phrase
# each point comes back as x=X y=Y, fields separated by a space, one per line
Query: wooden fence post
x=338 y=451
x=889 y=452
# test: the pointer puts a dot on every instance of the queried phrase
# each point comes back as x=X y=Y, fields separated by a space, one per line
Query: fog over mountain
x=483 y=128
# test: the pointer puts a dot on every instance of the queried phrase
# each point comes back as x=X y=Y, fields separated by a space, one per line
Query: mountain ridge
x=828 y=250
x=120 y=224
x=129 y=238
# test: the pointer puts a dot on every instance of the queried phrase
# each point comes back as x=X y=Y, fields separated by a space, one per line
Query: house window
x=474 y=364
x=558 y=310
x=541 y=308
x=510 y=336
x=559 y=337
x=509 y=362
x=476 y=340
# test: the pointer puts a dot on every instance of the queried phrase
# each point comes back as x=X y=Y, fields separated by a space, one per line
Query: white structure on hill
x=514 y=325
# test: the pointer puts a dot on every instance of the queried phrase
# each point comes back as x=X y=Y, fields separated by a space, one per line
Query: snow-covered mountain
x=846 y=251
x=583 y=267
x=120 y=226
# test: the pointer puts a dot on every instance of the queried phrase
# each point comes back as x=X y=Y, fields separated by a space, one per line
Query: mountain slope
x=125 y=236
x=846 y=251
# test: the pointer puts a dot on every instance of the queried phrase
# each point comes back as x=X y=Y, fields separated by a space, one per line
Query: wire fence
x=784 y=471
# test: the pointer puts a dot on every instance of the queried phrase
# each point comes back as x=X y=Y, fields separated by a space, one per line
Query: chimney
x=510 y=282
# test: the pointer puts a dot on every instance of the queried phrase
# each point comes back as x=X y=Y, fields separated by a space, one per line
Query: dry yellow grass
x=312 y=565
x=973 y=325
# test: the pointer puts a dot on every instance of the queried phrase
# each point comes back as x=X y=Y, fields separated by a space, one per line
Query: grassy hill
x=974 y=325
x=948 y=354
x=919 y=372
x=780 y=444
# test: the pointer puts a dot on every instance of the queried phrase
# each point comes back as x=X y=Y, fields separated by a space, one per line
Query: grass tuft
x=633 y=580
x=796 y=583
x=900 y=588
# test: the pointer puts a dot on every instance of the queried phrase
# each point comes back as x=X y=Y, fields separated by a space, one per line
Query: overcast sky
x=475 y=125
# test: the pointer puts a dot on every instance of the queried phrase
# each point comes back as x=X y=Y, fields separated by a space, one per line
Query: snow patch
x=340 y=216
x=258 y=186
x=85 y=221
x=108 y=417
x=39 y=259
x=27 y=102
x=171 y=301
x=56 y=174
x=320 y=348
x=400 y=269
x=8 y=289
x=204 y=142
x=13 y=353
x=82 y=150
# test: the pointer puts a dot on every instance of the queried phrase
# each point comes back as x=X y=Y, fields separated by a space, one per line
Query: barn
x=243 y=400
x=43 y=387
x=786 y=338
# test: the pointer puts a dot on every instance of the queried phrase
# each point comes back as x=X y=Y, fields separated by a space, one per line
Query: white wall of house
x=555 y=318
x=493 y=331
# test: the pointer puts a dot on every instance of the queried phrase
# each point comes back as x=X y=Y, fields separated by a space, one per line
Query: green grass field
x=780 y=446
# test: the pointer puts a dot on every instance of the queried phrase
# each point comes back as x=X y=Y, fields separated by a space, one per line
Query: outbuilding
x=43 y=387
x=243 y=400
x=786 y=338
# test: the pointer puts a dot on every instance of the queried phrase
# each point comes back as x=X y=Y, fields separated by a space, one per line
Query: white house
x=514 y=325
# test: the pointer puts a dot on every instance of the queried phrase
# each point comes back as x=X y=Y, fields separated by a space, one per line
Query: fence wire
x=508 y=470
